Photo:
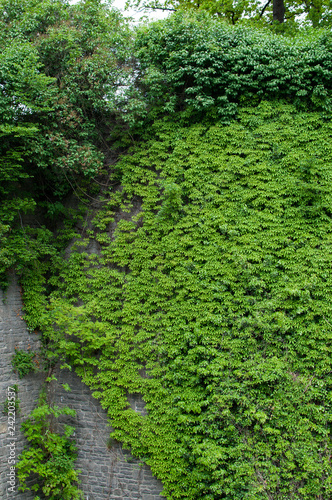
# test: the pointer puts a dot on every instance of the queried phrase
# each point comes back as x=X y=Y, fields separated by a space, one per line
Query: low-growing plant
x=50 y=455
x=23 y=362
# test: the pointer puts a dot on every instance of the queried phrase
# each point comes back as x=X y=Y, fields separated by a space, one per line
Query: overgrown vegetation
x=203 y=162
x=202 y=68
x=61 y=67
x=221 y=319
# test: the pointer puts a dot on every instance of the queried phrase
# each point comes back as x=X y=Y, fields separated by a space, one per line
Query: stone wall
x=13 y=333
x=108 y=472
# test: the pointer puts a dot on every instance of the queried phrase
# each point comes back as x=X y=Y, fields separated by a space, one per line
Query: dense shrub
x=200 y=64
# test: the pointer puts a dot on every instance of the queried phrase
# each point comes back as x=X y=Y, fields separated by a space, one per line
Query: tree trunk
x=278 y=10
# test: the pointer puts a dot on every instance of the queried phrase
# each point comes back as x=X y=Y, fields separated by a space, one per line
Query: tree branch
x=162 y=8
x=264 y=8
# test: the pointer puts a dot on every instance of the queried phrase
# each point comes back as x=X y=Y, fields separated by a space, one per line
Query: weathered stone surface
x=13 y=333
x=108 y=473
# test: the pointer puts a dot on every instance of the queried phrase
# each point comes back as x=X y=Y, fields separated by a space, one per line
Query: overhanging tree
x=317 y=12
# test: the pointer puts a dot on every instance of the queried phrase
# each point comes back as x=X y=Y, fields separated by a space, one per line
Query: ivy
x=209 y=289
x=213 y=303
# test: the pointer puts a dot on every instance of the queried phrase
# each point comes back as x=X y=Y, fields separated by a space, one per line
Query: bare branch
x=264 y=8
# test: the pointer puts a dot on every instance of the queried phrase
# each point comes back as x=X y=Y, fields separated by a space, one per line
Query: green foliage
x=296 y=13
x=216 y=308
x=50 y=455
x=26 y=92
x=61 y=67
x=23 y=362
x=230 y=11
x=211 y=294
x=193 y=67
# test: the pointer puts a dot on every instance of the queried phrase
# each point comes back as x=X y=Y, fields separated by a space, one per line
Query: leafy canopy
x=61 y=67
x=296 y=12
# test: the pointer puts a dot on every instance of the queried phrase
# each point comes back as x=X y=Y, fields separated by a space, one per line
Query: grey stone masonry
x=107 y=471
x=14 y=333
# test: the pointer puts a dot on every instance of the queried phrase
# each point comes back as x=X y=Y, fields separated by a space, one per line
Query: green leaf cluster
x=296 y=13
x=23 y=362
x=61 y=67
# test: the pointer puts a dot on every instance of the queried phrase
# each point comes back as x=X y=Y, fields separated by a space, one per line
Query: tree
x=230 y=10
x=61 y=67
x=316 y=12
x=278 y=10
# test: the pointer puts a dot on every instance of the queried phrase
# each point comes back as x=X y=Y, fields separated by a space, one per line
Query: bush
x=199 y=65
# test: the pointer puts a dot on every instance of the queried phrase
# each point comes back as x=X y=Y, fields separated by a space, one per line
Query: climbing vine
x=212 y=301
